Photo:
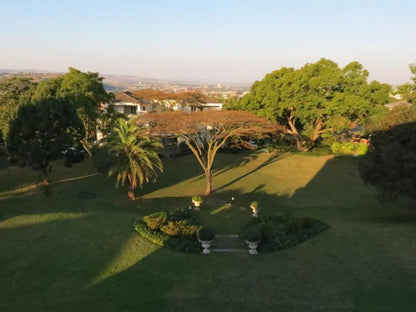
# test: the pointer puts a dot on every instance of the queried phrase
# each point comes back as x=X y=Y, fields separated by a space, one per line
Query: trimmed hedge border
x=283 y=231
x=164 y=240
x=283 y=239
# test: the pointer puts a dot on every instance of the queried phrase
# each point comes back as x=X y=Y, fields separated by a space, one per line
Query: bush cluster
x=205 y=234
x=176 y=229
x=349 y=148
x=277 y=232
x=155 y=220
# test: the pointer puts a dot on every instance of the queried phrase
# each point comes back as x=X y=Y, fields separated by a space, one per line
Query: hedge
x=176 y=230
x=283 y=231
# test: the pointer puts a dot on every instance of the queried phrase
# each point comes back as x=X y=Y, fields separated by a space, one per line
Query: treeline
x=321 y=103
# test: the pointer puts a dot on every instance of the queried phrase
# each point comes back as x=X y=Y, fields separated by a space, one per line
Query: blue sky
x=237 y=41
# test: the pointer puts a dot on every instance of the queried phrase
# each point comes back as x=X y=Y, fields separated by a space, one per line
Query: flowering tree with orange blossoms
x=207 y=131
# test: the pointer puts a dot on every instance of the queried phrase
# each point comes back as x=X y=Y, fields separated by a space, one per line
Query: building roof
x=124 y=97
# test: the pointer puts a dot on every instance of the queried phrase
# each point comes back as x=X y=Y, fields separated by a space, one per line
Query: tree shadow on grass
x=337 y=191
x=98 y=263
x=273 y=157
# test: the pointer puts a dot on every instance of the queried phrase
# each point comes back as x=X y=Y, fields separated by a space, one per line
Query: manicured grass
x=68 y=253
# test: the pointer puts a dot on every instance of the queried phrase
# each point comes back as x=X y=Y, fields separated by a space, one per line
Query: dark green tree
x=407 y=91
x=14 y=91
x=41 y=131
x=85 y=91
x=389 y=164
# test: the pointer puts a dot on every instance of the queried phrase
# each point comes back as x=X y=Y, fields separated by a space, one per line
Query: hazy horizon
x=221 y=41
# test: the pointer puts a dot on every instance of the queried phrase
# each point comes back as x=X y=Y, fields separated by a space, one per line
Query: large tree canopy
x=41 y=131
x=315 y=101
x=206 y=132
x=407 y=91
x=14 y=91
x=85 y=91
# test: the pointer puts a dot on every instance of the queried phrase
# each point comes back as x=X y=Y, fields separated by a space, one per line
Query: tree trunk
x=317 y=131
x=86 y=147
x=130 y=193
x=208 y=175
x=46 y=169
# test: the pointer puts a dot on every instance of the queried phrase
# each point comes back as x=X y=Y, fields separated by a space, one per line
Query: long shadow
x=276 y=156
x=338 y=192
x=58 y=265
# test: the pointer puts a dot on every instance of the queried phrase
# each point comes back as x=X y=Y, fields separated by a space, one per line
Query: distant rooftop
x=124 y=97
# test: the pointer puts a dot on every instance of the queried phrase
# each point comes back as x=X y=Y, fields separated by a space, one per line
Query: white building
x=128 y=105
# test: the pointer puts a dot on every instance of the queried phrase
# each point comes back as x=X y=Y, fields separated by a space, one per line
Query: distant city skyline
x=224 y=41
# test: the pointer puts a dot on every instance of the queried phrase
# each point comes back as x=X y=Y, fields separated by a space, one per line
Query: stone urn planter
x=206 y=245
x=197 y=201
x=205 y=237
x=252 y=247
x=255 y=208
x=252 y=238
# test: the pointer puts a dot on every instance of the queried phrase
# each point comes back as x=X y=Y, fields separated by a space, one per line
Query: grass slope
x=67 y=253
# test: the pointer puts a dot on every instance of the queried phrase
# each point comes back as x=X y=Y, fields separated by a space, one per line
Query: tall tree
x=206 y=132
x=14 y=92
x=315 y=101
x=85 y=91
x=407 y=91
x=41 y=131
x=132 y=156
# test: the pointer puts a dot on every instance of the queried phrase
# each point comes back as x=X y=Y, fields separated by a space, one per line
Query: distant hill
x=114 y=83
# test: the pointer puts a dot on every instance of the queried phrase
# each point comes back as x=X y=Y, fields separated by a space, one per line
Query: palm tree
x=134 y=156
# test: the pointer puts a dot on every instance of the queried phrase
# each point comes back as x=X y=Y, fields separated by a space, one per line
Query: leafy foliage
x=41 y=131
x=14 y=92
x=85 y=91
x=206 y=132
x=178 y=230
x=399 y=115
x=390 y=163
x=131 y=156
x=205 y=234
x=155 y=220
x=315 y=101
x=180 y=227
x=349 y=148
x=407 y=91
x=276 y=232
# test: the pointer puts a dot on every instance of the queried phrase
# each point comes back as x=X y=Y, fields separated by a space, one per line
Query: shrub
x=155 y=220
x=361 y=149
x=197 y=198
x=281 y=231
x=349 y=148
x=299 y=225
x=172 y=228
x=266 y=231
x=175 y=228
x=205 y=234
x=164 y=240
x=252 y=235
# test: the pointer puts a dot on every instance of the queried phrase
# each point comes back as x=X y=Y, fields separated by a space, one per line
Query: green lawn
x=68 y=253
